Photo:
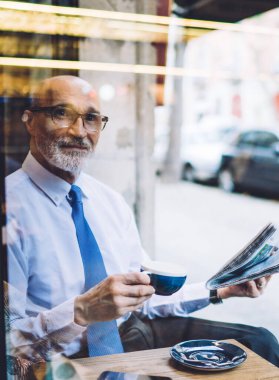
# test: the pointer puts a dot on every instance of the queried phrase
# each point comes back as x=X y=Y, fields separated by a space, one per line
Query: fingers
x=115 y=291
x=130 y=285
x=256 y=288
x=262 y=282
x=136 y=278
x=268 y=278
x=131 y=298
x=250 y=289
x=137 y=291
x=112 y=298
x=129 y=303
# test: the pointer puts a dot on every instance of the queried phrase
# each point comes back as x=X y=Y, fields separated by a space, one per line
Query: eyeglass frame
x=49 y=109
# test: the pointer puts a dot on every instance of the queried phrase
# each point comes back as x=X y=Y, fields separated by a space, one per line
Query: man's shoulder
x=16 y=181
x=17 y=189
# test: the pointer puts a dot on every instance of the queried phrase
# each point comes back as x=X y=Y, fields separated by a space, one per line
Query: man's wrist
x=214 y=297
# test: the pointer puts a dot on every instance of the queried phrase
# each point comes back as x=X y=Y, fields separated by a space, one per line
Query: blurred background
x=191 y=88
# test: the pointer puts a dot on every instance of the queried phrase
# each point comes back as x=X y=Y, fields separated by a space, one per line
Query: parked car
x=201 y=153
x=251 y=162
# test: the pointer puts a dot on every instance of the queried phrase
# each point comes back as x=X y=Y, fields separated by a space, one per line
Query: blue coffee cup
x=166 y=278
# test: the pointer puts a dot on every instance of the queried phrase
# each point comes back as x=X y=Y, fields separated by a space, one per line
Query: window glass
x=248 y=139
x=266 y=139
x=85 y=89
x=257 y=138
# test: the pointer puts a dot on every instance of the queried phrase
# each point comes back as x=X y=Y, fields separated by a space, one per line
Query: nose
x=77 y=128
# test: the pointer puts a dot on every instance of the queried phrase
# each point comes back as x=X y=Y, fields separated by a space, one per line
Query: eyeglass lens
x=64 y=117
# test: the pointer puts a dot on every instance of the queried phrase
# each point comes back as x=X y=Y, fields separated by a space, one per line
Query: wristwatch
x=213 y=297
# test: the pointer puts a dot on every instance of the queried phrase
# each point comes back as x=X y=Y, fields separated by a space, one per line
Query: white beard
x=71 y=161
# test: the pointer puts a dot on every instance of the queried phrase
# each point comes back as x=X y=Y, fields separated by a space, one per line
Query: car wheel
x=226 y=181
x=188 y=173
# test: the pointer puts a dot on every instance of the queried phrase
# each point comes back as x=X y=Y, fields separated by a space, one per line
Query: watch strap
x=213 y=297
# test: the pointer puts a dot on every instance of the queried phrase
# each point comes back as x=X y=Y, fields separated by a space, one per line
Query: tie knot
x=75 y=194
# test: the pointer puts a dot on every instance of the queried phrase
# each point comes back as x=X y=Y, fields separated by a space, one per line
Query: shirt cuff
x=188 y=299
x=192 y=292
x=62 y=317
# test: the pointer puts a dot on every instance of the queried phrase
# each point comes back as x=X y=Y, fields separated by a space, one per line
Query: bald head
x=53 y=90
x=64 y=123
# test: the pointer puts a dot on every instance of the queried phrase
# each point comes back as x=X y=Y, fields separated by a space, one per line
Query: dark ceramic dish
x=208 y=355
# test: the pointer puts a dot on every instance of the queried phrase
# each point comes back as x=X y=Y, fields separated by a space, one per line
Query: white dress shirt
x=45 y=270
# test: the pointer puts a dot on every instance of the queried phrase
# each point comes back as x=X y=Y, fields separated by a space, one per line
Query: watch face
x=213 y=297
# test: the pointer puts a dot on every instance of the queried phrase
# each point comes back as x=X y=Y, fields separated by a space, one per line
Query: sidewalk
x=201 y=228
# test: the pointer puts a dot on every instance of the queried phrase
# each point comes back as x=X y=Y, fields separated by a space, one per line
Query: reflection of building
x=16 y=83
x=242 y=74
x=96 y=40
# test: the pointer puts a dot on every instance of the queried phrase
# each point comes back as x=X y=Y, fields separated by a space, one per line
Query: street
x=201 y=228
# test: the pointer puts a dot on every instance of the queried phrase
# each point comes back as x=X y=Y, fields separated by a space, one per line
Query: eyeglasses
x=64 y=117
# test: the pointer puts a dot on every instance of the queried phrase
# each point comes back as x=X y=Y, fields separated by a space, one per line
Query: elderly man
x=75 y=254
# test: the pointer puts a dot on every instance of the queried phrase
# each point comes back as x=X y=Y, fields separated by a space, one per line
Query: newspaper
x=260 y=257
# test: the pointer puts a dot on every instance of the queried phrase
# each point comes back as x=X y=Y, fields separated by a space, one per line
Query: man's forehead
x=67 y=90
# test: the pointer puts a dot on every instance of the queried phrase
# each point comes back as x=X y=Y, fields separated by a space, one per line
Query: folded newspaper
x=260 y=257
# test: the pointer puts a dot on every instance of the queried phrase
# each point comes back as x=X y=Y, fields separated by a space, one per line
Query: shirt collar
x=54 y=187
x=81 y=182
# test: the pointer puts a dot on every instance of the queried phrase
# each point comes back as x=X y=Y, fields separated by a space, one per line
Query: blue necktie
x=103 y=337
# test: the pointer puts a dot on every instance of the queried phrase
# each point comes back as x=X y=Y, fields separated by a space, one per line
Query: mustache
x=81 y=142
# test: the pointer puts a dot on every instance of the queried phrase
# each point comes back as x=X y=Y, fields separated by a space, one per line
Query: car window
x=247 y=139
x=266 y=139
x=257 y=138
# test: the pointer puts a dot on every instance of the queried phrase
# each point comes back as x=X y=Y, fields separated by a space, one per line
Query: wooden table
x=158 y=362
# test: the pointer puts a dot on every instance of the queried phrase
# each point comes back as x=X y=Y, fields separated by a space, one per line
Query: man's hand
x=112 y=298
x=250 y=289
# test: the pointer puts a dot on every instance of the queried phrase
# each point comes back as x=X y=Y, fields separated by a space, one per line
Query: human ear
x=24 y=117
x=27 y=118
